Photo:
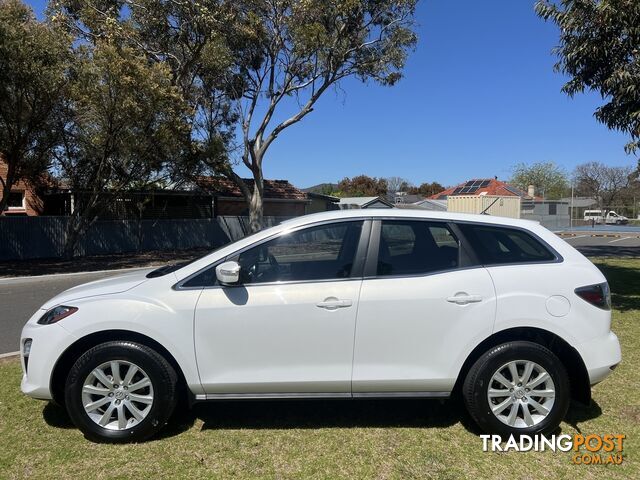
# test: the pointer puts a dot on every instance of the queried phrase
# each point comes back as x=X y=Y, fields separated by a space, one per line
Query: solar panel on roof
x=457 y=190
x=513 y=190
x=485 y=183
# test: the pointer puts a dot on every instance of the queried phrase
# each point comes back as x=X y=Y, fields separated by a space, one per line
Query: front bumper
x=48 y=343
x=600 y=355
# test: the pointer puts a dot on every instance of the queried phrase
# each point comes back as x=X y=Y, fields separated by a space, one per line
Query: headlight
x=56 y=314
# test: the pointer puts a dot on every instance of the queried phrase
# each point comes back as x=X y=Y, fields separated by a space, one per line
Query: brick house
x=483 y=186
x=281 y=199
x=24 y=198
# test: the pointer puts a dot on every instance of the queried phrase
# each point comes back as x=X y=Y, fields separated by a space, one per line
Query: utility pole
x=571 y=209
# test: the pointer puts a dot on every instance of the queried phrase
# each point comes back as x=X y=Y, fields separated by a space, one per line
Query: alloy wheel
x=117 y=395
x=521 y=394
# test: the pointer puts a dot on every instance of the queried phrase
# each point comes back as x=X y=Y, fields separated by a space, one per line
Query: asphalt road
x=615 y=244
x=21 y=297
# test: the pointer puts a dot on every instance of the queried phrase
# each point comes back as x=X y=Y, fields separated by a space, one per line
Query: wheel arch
x=76 y=349
x=569 y=356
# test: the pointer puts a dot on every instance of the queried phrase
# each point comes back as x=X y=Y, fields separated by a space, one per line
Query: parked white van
x=609 y=218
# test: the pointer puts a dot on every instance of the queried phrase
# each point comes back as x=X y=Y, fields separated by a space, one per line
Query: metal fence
x=23 y=238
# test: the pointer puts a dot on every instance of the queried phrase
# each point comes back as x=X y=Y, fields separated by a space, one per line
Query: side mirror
x=228 y=273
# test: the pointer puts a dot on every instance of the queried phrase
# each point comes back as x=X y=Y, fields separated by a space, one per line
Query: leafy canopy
x=548 y=179
x=33 y=62
x=362 y=186
x=600 y=50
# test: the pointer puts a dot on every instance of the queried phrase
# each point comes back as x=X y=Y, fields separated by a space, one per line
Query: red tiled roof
x=494 y=187
x=280 y=189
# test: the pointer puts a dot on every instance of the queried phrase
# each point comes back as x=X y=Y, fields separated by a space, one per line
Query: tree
x=254 y=61
x=299 y=49
x=125 y=122
x=196 y=43
x=398 y=184
x=599 y=50
x=426 y=189
x=549 y=179
x=601 y=182
x=33 y=62
x=362 y=186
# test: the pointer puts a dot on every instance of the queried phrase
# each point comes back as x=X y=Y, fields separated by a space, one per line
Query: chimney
x=531 y=191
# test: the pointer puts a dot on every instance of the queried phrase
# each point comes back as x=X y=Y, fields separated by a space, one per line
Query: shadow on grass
x=311 y=414
x=315 y=414
x=579 y=413
x=56 y=416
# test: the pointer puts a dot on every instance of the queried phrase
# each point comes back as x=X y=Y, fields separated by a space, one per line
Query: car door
x=288 y=328
x=422 y=309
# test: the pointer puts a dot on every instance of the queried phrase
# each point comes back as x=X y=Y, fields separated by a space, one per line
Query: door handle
x=462 y=298
x=333 y=303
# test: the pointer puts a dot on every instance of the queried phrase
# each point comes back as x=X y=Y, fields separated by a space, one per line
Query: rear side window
x=415 y=247
x=499 y=245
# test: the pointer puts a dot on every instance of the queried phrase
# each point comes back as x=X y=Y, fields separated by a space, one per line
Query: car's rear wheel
x=120 y=392
x=517 y=388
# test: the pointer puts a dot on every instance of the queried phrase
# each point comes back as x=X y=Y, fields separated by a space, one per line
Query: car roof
x=406 y=214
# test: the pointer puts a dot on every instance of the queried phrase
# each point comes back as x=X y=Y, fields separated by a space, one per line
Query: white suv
x=351 y=304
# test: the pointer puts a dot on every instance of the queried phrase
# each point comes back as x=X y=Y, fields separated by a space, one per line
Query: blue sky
x=479 y=95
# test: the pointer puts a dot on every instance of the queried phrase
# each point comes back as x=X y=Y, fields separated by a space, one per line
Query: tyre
x=120 y=392
x=517 y=388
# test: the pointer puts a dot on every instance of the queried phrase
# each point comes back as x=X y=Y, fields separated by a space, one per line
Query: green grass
x=329 y=439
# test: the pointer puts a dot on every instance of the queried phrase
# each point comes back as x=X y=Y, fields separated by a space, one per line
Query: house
x=24 y=198
x=496 y=197
x=348 y=203
x=318 y=202
x=483 y=186
x=133 y=205
x=404 y=198
x=433 y=205
x=280 y=199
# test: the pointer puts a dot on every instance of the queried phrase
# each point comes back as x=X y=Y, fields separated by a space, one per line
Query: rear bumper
x=600 y=355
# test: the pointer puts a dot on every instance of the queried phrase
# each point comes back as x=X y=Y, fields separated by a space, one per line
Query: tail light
x=598 y=295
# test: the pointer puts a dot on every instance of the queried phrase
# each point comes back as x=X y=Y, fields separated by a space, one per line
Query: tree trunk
x=83 y=216
x=73 y=232
x=255 y=204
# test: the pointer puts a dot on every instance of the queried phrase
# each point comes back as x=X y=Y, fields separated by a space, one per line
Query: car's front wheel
x=120 y=392
x=517 y=388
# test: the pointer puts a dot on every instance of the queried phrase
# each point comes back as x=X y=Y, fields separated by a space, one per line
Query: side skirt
x=302 y=396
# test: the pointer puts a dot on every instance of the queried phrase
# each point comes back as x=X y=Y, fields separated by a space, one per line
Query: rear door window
x=500 y=245
x=409 y=247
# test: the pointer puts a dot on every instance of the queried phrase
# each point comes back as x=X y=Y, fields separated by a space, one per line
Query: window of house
x=16 y=200
x=500 y=245
x=317 y=253
x=410 y=247
x=553 y=209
